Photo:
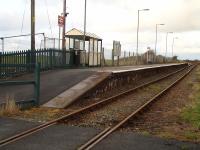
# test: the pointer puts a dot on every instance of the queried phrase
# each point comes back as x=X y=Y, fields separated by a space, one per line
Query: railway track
x=101 y=103
x=108 y=131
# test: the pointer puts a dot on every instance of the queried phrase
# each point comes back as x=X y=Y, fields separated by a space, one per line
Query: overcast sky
x=111 y=20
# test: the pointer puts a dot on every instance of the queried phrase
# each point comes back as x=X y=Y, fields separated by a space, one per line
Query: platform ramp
x=71 y=95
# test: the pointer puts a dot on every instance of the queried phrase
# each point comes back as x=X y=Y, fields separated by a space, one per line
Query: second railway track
x=82 y=111
x=109 y=130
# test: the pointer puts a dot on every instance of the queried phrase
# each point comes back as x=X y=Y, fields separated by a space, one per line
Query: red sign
x=61 y=21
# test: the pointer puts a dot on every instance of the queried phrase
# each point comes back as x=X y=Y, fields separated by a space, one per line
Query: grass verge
x=9 y=108
x=191 y=114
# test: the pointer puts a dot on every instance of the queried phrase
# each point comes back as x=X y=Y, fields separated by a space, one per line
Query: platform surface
x=56 y=82
x=52 y=84
x=69 y=96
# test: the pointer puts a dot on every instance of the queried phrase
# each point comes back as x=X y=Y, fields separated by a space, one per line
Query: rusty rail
x=80 y=111
x=105 y=133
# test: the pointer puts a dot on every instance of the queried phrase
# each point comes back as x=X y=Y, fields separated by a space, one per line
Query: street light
x=166 y=44
x=157 y=38
x=173 y=46
x=138 y=31
x=85 y=13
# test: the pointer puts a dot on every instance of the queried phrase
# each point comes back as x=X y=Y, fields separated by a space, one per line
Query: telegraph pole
x=33 y=58
x=32 y=25
x=64 y=23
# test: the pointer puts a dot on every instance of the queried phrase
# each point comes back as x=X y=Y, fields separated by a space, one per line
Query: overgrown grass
x=191 y=135
x=155 y=87
x=191 y=114
x=10 y=107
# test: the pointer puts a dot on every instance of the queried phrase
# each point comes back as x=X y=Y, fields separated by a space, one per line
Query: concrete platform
x=130 y=68
x=52 y=84
x=69 y=96
x=62 y=137
x=56 y=83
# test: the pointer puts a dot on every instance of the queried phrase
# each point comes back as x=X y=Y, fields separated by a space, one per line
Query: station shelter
x=92 y=55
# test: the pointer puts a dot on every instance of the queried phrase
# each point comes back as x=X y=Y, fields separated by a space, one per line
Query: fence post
x=104 y=61
x=64 y=58
x=51 y=58
x=113 y=57
x=37 y=84
x=124 y=58
x=72 y=58
x=117 y=60
x=0 y=63
x=33 y=58
x=28 y=60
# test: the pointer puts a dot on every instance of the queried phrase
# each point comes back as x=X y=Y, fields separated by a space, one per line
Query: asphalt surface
x=62 y=137
x=52 y=84
x=133 y=141
x=10 y=127
x=58 y=137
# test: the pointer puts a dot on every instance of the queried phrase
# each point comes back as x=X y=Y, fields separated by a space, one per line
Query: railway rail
x=108 y=131
x=101 y=103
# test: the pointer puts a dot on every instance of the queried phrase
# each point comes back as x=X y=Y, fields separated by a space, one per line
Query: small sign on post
x=60 y=24
x=116 y=51
x=117 y=48
x=60 y=21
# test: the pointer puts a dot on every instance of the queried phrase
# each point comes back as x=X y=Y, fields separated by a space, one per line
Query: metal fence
x=35 y=82
x=48 y=58
x=128 y=58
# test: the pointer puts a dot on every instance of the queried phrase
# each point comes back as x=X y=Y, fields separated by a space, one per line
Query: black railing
x=48 y=59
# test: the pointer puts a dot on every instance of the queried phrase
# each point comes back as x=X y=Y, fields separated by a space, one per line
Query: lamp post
x=138 y=31
x=157 y=38
x=166 y=44
x=173 y=46
x=85 y=13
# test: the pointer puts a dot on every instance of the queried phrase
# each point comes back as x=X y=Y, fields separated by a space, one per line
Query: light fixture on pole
x=85 y=19
x=166 y=44
x=157 y=38
x=173 y=46
x=84 y=34
x=138 y=31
